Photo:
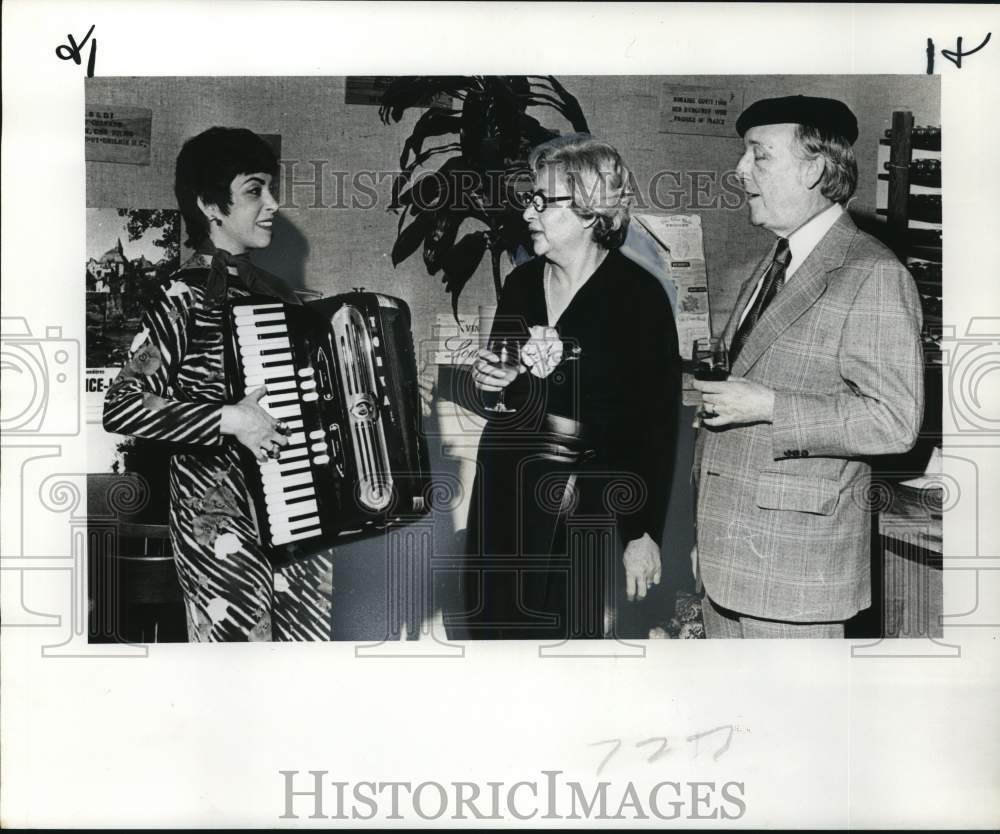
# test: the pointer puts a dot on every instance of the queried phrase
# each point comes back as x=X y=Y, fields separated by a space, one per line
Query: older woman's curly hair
x=600 y=183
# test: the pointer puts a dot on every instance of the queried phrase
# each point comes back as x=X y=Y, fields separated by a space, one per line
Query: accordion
x=341 y=373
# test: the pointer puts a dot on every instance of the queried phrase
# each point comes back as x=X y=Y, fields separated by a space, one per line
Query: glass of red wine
x=508 y=353
x=711 y=363
x=711 y=359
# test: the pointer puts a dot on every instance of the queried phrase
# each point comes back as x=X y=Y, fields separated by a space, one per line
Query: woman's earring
x=217 y=221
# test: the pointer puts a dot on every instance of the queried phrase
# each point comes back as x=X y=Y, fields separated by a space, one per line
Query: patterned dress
x=173 y=388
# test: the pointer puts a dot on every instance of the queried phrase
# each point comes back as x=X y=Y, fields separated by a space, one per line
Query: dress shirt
x=801 y=242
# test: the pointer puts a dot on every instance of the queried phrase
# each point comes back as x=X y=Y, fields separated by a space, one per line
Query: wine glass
x=508 y=353
x=711 y=359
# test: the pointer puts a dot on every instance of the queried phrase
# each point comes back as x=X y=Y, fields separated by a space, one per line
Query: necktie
x=773 y=280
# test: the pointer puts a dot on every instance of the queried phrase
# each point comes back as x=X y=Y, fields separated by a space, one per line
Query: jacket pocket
x=801 y=493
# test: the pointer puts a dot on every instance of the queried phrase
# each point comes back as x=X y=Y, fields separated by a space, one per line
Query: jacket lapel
x=744 y=298
x=799 y=294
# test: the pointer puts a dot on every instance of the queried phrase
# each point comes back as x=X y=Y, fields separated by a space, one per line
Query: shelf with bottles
x=923 y=207
x=926 y=244
x=922 y=138
x=927 y=275
x=910 y=191
x=908 y=195
x=925 y=171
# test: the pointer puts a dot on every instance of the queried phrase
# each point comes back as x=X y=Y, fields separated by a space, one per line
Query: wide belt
x=564 y=440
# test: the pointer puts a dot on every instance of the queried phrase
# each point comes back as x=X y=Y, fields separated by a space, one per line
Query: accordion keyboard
x=288 y=483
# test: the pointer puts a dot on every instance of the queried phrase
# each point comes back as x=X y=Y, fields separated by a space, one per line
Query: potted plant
x=485 y=140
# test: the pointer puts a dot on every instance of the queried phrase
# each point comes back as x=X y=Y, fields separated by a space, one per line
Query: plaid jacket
x=784 y=519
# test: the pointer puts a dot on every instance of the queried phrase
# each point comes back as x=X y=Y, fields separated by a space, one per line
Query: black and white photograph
x=578 y=497
x=470 y=394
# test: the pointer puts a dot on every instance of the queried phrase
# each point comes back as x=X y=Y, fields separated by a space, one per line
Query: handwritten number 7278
x=71 y=51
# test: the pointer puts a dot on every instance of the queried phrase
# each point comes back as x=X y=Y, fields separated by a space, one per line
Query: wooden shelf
x=913 y=181
x=915 y=146
x=914 y=519
x=926 y=253
x=935 y=219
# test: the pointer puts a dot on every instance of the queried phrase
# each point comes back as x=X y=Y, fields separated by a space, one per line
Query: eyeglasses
x=538 y=200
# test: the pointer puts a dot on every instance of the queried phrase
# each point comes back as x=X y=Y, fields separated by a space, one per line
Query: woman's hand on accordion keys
x=252 y=426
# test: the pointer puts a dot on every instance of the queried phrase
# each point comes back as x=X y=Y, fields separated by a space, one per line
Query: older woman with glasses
x=584 y=353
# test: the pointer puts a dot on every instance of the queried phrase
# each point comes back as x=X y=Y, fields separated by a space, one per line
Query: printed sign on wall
x=118 y=134
x=705 y=111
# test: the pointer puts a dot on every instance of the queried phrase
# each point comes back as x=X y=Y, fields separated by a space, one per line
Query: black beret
x=825 y=114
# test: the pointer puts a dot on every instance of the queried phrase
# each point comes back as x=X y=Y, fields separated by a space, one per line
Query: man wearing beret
x=826 y=372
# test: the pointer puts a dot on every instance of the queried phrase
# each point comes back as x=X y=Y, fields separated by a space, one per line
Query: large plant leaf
x=401 y=181
x=487 y=119
x=532 y=133
x=411 y=237
x=435 y=122
x=475 y=129
x=519 y=85
x=460 y=264
x=570 y=106
x=508 y=108
x=484 y=171
x=442 y=238
x=513 y=232
x=418 y=90
x=427 y=192
x=433 y=187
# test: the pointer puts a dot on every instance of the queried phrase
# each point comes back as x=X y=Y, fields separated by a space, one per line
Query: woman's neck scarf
x=226 y=267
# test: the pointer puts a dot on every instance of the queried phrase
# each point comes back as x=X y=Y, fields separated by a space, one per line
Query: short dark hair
x=840 y=168
x=598 y=180
x=206 y=167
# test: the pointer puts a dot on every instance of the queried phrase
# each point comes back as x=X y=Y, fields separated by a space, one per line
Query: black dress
x=587 y=453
